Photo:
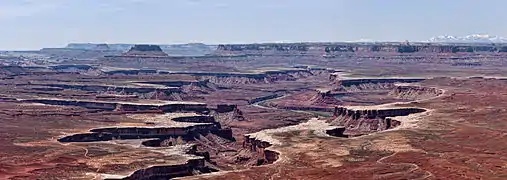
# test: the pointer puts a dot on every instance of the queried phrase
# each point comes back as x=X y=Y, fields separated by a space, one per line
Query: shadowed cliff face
x=192 y=167
x=259 y=151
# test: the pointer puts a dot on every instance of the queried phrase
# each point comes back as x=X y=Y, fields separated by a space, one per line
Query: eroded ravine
x=345 y=123
x=171 y=134
x=348 y=121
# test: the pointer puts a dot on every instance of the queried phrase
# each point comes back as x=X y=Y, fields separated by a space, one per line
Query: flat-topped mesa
x=144 y=50
x=264 y=49
x=352 y=85
x=337 y=48
x=365 y=120
x=267 y=76
x=108 y=134
x=192 y=167
x=187 y=126
x=415 y=48
x=124 y=106
x=414 y=92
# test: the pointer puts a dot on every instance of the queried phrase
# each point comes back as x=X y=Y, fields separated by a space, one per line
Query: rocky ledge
x=364 y=120
x=123 y=106
x=174 y=135
x=414 y=92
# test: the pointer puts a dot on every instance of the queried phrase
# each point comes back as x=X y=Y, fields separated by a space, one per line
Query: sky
x=33 y=24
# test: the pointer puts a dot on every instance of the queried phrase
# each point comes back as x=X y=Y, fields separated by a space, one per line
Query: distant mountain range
x=474 y=38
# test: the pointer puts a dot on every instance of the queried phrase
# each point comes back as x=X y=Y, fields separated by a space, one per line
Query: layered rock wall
x=264 y=78
x=412 y=92
x=364 y=121
x=259 y=148
x=336 y=48
x=124 y=106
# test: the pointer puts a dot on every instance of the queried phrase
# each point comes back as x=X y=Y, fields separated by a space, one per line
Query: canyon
x=256 y=111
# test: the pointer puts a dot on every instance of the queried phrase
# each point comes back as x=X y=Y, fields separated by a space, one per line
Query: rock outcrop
x=324 y=97
x=187 y=126
x=107 y=134
x=265 y=77
x=414 y=92
x=259 y=149
x=226 y=114
x=363 y=120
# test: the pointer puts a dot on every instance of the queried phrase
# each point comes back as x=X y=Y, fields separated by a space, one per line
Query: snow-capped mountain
x=474 y=38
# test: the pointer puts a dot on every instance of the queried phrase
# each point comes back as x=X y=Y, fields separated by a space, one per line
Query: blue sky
x=32 y=24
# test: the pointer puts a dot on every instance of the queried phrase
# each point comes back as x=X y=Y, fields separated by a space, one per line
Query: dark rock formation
x=145 y=51
x=337 y=132
x=72 y=66
x=223 y=108
x=192 y=167
x=154 y=143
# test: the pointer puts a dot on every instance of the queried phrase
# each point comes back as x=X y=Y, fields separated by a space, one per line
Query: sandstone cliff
x=336 y=48
x=265 y=77
x=360 y=120
x=414 y=92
